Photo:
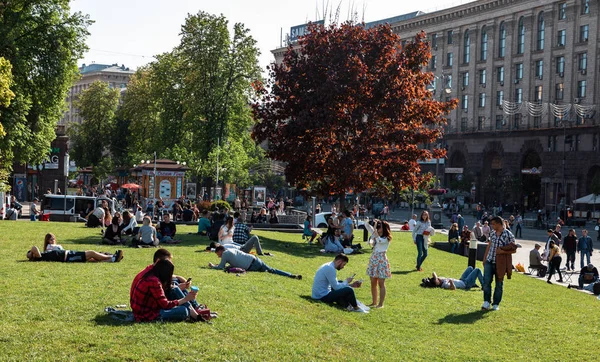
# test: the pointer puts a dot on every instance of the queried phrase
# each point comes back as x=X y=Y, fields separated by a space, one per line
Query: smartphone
x=353 y=275
x=189 y=280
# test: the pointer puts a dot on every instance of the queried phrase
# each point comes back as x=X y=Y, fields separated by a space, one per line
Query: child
x=147 y=234
x=50 y=243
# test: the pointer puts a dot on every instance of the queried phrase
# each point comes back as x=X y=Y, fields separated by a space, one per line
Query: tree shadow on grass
x=105 y=319
x=466 y=318
x=404 y=272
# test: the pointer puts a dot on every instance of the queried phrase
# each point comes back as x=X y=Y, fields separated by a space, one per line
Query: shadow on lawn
x=467 y=318
x=105 y=319
x=404 y=272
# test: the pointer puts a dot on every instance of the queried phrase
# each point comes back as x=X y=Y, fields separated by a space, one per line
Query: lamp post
x=564 y=167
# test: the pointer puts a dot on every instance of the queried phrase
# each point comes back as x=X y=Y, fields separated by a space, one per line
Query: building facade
x=116 y=76
x=525 y=73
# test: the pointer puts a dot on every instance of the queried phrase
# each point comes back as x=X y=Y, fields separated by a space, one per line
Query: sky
x=131 y=32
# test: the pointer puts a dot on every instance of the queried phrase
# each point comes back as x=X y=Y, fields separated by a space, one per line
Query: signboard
x=454 y=170
x=165 y=189
x=259 y=195
x=190 y=191
x=431 y=161
x=151 y=192
x=20 y=190
x=179 y=188
x=300 y=30
x=532 y=171
x=164 y=173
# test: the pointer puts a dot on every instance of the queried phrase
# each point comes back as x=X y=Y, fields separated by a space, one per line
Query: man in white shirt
x=412 y=222
x=328 y=289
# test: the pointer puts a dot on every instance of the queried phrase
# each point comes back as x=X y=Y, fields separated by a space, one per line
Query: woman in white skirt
x=379 y=266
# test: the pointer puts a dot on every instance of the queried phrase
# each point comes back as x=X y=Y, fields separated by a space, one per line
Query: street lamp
x=566 y=141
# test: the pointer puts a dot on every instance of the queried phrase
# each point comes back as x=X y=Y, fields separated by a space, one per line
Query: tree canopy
x=42 y=41
x=348 y=108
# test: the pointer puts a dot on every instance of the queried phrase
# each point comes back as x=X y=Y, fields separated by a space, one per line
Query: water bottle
x=194 y=289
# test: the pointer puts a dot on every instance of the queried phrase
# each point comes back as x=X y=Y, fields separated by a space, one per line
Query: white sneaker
x=359 y=310
x=486 y=306
x=495 y=307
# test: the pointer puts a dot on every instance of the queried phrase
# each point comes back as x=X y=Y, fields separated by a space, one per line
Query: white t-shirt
x=459 y=284
x=381 y=245
x=411 y=224
x=228 y=238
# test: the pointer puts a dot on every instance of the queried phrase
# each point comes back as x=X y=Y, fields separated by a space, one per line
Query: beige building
x=116 y=76
x=525 y=72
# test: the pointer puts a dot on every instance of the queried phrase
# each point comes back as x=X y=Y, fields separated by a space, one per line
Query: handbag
x=453 y=241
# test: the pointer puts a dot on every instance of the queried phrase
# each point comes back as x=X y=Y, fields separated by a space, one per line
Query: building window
x=499 y=98
x=521 y=37
x=584 y=33
x=480 y=123
x=482 y=76
x=467 y=48
x=465 y=102
x=463 y=124
x=433 y=62
x=450 y=33
x=537 y=121
x=595 y=142
x=481 y=100
x=575 y=145
x=582 y=61
x=465 y=79
x=484 y=44
x=539 y=68
x=500 y=74
x=517 y=121
x=561 y=38
x=585 y=6
x=541 y=32
x=562 y=11
x=581 y=88
x=499 y=122
x=519 y=95
x=434 y=41
x=552 y=143
x=537 y=96
x=559 y=92
x=502 y=40
x=560 y=65
x=449 y=59
x=519 y=71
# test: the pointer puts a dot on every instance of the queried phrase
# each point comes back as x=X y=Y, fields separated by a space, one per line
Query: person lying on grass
x=71 y=256
x=467 y=280
x=148 y=299
x=246 y=248
x=179 y=285
x=238 y=259
x=328 y=289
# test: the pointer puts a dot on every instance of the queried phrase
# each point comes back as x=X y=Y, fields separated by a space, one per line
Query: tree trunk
x=342 y=198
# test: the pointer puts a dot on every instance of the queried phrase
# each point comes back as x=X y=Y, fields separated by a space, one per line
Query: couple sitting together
x=149 y=236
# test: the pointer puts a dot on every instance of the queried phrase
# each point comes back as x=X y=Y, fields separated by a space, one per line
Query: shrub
x=204 y=205
x=220 y=204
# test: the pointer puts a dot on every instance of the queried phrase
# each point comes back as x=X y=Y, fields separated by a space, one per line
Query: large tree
x=91 y=140
x=348 y=109
x=42 y=41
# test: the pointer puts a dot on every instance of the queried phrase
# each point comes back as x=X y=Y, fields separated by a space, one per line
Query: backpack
x=597 y=288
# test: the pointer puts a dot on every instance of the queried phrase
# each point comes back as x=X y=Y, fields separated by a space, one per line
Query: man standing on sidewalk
x=499 y=238
x=518 y=229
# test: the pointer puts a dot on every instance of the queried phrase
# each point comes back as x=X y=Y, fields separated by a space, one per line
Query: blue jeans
x=470 y=276
x=421 y=250
x=518 y=231
x=178 y=313
x=584 y=253
x=260 y=266
x=453 y=247
x=344 y=297
x=581 y=281
x=33 y=218
x=489 y=272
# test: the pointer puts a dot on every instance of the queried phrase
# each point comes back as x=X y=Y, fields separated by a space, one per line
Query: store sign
x=164 y=173
x=300 y=30
x=454 y=170
x=532 y=171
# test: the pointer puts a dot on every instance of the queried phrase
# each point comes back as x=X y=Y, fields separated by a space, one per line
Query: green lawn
x=54 y=311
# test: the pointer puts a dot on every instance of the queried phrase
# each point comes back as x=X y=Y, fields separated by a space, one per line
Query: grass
x=54 y=311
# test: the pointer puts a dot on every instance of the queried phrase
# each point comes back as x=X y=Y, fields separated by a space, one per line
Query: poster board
x=259 y=195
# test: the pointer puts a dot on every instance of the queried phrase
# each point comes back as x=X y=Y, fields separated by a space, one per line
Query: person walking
x=518 y=228
x=419 y=233
x=570 y=248
x=554 y=260
x=379 y=266
x=585 y=247
x=499 y=238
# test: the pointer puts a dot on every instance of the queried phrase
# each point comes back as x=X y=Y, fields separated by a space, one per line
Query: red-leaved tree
x=348 y=109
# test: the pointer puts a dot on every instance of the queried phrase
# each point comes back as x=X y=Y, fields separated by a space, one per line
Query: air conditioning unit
x=502 y=84
x=583 y=72
x=577 y=100
x=517 y=81
x=561 y=74
x=585 y=39
x=540 y=77
x=463 y=87
x=483 y=85
x=435 y=47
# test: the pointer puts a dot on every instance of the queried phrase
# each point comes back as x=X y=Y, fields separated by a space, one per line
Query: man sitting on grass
x=71 y=256
x=166 y=230
x=328 y=289
x=467 y=280
x=238 y=259
x=204 y=223
x=242 y=238
x=587 y=275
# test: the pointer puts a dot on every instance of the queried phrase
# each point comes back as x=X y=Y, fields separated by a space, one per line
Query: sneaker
x=299 y=277
x=495 y=307
x=548 y=281
x=485 y=306
x=359 y=310
x=118 y=256
x=269 y=254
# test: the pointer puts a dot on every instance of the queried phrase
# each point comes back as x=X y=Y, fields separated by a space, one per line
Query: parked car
x=54 y=205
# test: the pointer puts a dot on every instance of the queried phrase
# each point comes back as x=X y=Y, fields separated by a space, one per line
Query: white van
x=53 y=206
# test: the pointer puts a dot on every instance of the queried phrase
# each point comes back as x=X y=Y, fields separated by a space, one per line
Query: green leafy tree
x=91 y=139
x=42 y=41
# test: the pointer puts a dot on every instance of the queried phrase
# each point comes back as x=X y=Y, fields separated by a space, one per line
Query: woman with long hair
x=112 y=234
x=554 y=260
x=379 y=266
x=453 y=237
x=226 y=231
x=420 y=231
x=50 y=243
x=148 y=299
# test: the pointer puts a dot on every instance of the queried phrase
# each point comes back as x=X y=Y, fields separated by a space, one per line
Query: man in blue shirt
x=328 y=289
x=348 y=229
x=585 y=246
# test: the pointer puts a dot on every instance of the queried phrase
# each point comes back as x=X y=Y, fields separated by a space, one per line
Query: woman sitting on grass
x=148 y=300
x=112 y=234
x=50 y=243
x=308 y=231
x=146 y=235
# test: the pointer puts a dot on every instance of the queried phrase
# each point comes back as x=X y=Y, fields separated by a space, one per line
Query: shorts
x=75 y=257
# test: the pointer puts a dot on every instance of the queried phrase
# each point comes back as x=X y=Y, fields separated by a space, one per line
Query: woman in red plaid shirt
x=148 y=300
